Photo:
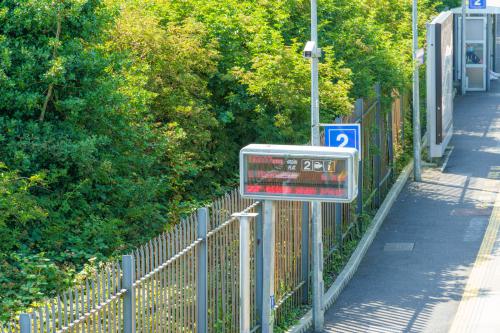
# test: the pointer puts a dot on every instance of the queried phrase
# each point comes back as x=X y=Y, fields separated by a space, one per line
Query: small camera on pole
x=311 y=50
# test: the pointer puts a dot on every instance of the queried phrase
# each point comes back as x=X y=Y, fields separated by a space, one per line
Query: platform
x=435 y=264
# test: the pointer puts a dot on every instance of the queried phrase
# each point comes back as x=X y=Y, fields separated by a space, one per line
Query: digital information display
x=301 y=173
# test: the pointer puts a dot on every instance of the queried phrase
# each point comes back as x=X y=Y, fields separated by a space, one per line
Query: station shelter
x=459 y=65
x=482 y=47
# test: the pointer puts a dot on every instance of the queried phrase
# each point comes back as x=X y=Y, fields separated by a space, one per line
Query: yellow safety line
x=469 y=305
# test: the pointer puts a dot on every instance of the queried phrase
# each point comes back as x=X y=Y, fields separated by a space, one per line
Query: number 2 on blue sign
x=477 y=4
x=344 y=139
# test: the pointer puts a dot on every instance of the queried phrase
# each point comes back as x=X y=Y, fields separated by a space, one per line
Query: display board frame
x=349 y=156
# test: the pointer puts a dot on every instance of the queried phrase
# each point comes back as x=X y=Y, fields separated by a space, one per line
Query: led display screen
x=283 y=173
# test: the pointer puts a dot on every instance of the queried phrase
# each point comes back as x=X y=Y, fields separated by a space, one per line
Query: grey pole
x=259 y=262
x=463 y=49
x=417 y=136
x=268 y=267
x=25 y=323
x=317 y=244
x=202 y=255
x=129 y=299
x=244 y=219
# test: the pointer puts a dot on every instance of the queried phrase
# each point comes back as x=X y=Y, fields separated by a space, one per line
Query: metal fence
x=186 y=280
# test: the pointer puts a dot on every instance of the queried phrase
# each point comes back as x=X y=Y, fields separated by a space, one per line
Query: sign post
x=244 y=219
x=268 y=241
x=296 y=173
x=317 y=239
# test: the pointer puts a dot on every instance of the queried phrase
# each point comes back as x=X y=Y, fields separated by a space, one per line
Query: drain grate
x=399 y=247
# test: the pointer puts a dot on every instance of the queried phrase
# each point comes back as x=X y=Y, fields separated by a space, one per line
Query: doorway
x=476 y=60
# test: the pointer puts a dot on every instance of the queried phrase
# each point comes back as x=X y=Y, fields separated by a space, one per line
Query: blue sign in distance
x=343 y=135
x=477 y=4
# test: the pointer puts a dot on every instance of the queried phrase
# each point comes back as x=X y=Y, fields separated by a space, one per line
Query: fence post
x=378 y=160
x=338 y=214
x=305 y=252
x=359 y=209
x=259 y=265
x=201 y=288
x=402 y=110
x=25 y=323
x=389 y=135
x=268 y=301
x=129 y=299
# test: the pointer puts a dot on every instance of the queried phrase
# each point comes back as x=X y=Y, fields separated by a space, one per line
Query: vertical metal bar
x=59 y=312
x=129 y=299
x=148 y=288
x=201 y=288
x=390 y=134
x=244 y=274
x=378 y=156
x=317 y=280
x=87 y=288
x=25 y=323
x=178 y=284
x=156 y=280
x=259 y=262
x=170 y=287
x=305 y=252
x=359 y=209
x=318 y=313
x=402 y=106
x=417 y=136
x=268 y=267
x=93 y=304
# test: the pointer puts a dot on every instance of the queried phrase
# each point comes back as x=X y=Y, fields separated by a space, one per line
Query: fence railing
x=186 y=280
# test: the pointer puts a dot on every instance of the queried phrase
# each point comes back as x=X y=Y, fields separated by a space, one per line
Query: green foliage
x=118 y=116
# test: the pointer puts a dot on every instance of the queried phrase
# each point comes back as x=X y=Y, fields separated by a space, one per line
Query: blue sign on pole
x=477 y=4
x=343 y=135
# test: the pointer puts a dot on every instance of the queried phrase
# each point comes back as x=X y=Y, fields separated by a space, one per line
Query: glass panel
x=475 y=78
x=475 y=53
x=474 y=29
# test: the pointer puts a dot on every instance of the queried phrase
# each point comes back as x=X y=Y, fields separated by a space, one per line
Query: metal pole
x=128 y=278
x=259 y=262
x=268 y=234
x=25 y=323
x=244 y=219
x=463 y=48
x=378 y=143
x=202 y=280
x=317 y=248
x=359 y=209
x=417 y=136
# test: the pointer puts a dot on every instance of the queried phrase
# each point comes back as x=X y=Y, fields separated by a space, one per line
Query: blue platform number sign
x=477 y=4
x=343 y=135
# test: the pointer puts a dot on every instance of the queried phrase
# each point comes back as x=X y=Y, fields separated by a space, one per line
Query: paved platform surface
x=436 y=260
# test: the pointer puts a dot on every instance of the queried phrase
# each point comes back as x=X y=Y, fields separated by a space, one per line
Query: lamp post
x=417 y=136
x=313 y=52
